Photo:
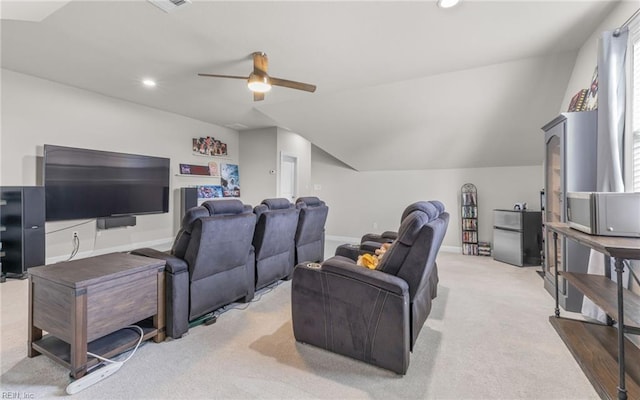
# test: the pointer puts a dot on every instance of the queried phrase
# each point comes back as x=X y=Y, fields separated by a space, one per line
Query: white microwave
x=604 y=213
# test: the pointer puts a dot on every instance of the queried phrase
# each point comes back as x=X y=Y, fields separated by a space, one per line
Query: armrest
x=384 y=237
x=346 y=267
x=389 y=235
x=372 y=237
x=347 y=250
x=174 y=264
x=176 y=291
x=369 y=247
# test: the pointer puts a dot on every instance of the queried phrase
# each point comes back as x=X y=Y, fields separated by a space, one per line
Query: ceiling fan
x=260 y=82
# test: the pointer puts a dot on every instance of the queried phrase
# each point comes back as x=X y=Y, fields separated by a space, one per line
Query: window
x=633 y=180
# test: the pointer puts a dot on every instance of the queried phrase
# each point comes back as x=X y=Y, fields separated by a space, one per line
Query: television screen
x=83 y=183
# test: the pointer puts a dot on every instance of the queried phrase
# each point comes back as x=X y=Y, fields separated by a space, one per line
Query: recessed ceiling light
x=447 y=3
x=149 y=83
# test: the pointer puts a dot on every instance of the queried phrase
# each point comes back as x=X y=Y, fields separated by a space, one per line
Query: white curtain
x=612 y=51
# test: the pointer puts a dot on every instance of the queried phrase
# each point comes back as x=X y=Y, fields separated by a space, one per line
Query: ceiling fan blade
x=257 y=96
x=293 y=84
x=260 y=62
x=224 y=76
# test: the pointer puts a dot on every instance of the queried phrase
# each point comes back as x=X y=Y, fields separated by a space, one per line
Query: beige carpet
x=487 y=337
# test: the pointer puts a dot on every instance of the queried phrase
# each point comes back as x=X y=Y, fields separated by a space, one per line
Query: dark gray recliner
x=372 y=315
x=371 y=241
x=310 y=232
x=274 y=240
x=211 y=263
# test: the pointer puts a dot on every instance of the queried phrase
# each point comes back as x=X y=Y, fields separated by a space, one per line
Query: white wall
x=260 y=153
x=373 y=201
x=37 y=111
x=258 y=156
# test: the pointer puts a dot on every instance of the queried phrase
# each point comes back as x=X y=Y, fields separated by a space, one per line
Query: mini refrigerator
x=517 y=237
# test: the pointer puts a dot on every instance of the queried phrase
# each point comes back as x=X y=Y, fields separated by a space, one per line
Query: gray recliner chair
x=372 y=315
x=274 y=240
x=370 y=242
x=310 y=232
x=211 y=263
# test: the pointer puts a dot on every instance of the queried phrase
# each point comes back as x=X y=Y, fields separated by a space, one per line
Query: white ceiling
x=401 y=85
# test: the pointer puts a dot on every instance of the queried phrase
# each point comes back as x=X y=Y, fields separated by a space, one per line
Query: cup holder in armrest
x=314 y=265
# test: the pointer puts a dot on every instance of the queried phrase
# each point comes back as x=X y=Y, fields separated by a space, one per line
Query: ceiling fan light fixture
x=447 y=3
x=149 y=83
x=259 y=83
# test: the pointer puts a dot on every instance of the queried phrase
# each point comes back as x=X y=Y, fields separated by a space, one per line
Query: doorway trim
x=288 y=158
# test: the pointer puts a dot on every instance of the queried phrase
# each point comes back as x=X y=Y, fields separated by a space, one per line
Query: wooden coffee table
x=84 y=305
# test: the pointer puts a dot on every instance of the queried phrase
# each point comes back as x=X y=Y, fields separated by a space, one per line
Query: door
x=507 y=246
x=288 y=174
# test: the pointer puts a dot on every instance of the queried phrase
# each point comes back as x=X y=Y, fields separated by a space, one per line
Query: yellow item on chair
x=368 y=260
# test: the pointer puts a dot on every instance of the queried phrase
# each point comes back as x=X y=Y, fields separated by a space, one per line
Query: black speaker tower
x=22 y=216
x=188 y=199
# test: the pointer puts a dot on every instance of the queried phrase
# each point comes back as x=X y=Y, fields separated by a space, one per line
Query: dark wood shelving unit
x=603 y=291
x=607 y=357
x=595 y=348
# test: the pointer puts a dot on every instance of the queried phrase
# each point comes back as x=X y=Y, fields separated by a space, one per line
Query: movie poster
x=230 y=180
x=208 y=192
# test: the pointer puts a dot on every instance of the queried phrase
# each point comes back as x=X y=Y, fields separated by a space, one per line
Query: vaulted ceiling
x=401 y=85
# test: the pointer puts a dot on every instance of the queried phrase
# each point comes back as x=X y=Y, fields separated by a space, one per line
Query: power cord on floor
x=254 y=300
x=109 y=369
x=212 y=317
x=132 y=352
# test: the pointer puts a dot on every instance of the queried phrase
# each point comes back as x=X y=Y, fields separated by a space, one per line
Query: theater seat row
x=225 y=251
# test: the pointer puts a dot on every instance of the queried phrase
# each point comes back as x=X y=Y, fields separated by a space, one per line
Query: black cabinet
x=517 y=237
x=22 y=216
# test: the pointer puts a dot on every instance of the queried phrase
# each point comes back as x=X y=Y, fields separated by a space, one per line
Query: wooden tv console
x=84 y=305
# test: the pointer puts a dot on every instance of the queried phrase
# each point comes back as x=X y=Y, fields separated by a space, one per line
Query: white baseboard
x=451 y=249
x=159 y=244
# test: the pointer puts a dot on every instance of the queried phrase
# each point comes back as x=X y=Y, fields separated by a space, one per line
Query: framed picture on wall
x=213 y=168
x=191 y=169
x=208 y=146
x=230 y=180
x=207 y=192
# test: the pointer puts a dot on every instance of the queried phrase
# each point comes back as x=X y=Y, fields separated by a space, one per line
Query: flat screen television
x=83 y=183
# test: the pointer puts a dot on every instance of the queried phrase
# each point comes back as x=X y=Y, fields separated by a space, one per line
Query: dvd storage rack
x=469 y=211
